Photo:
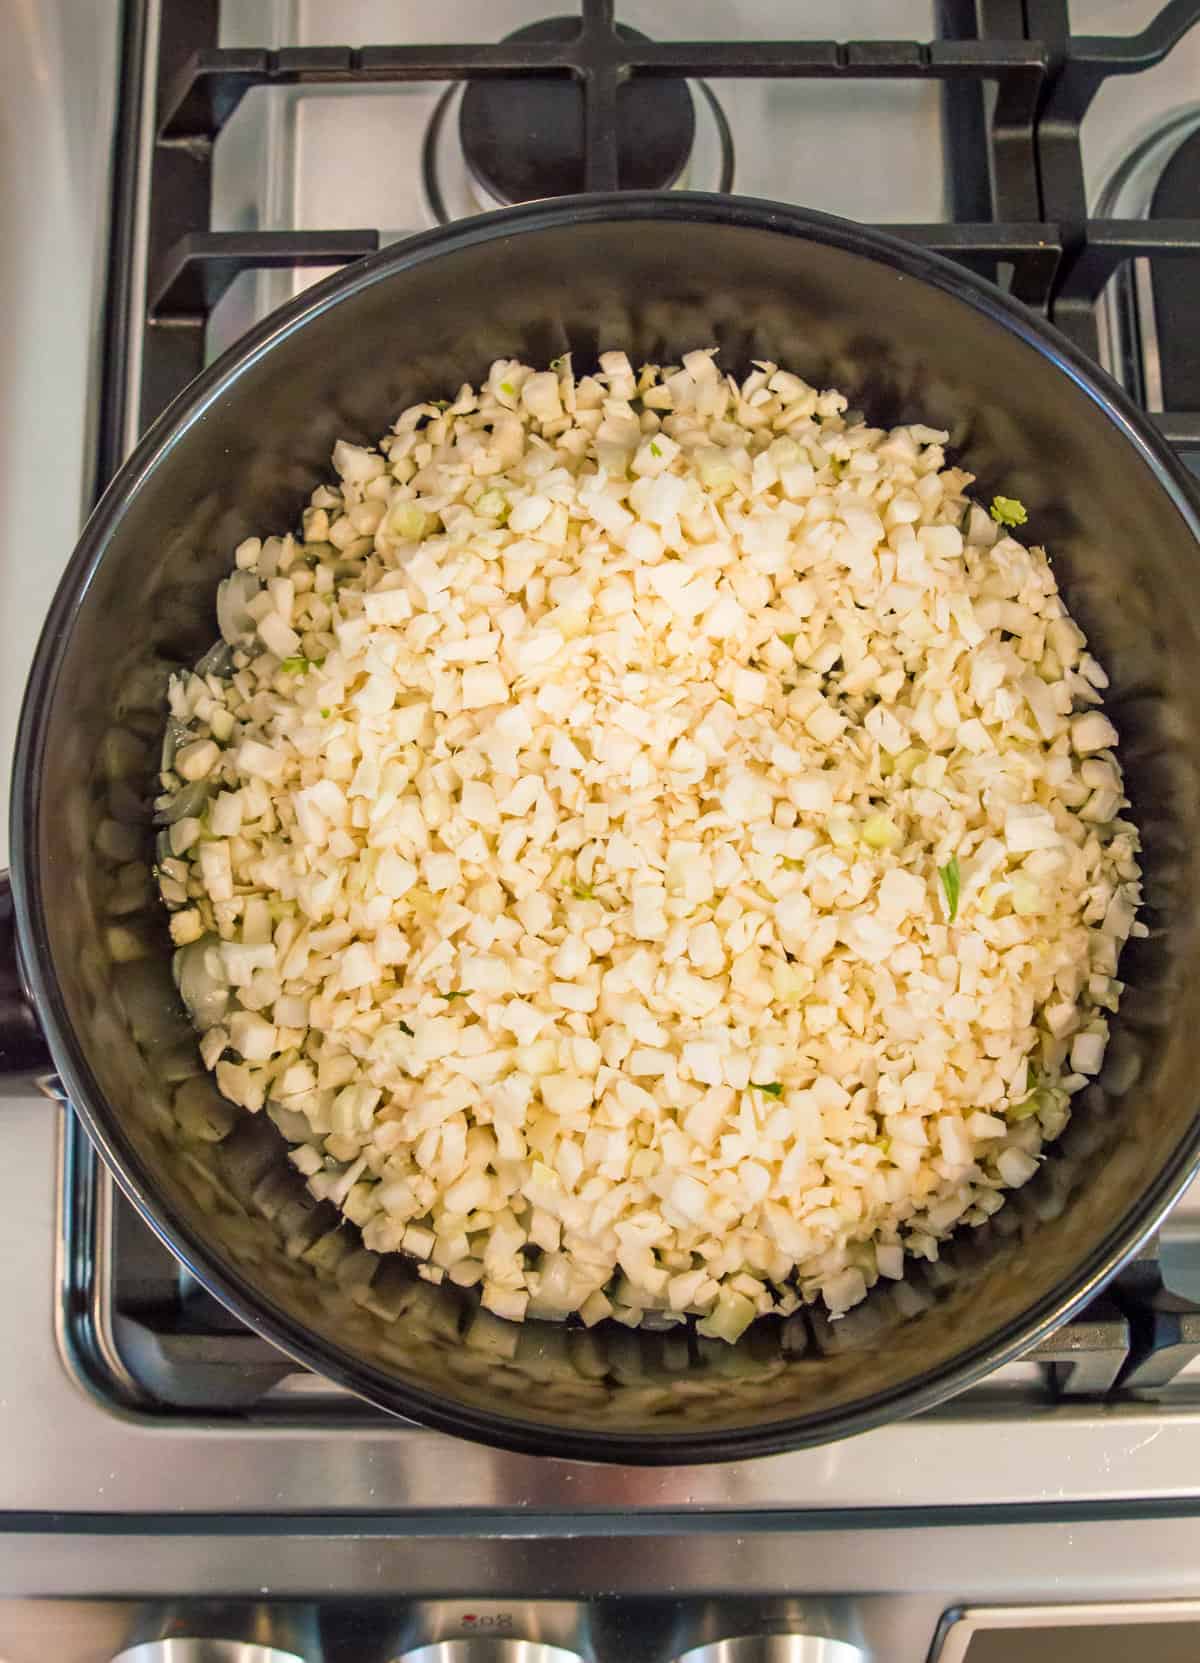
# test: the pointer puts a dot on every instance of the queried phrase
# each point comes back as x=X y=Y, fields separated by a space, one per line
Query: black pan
x=908 y=336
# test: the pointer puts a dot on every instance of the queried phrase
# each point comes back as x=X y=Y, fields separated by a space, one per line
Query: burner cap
x=522 y=135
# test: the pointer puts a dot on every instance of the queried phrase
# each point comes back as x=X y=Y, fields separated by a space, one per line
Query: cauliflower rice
x=651 y=842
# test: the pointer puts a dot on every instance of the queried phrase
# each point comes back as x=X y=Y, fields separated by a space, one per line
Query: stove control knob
x=776 y=1648
x=487 y=1648
x=204 y=1651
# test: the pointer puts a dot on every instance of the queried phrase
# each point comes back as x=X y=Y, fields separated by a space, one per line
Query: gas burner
x=521 y=137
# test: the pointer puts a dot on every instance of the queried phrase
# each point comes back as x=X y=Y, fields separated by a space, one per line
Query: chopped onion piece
x=654 y=845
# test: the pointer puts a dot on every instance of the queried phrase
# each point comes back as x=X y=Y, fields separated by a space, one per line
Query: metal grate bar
x=121 y=323
x=1096 y=251
x=990 y=152
x=1108 y=243
x=200 y=267
x=179 y=201
x=1086 y=1355
x=972 y=190
x=1078 y=65
x=604 y=74
x=201 y=98
x=1164 y=1325
x=1033 y=251
x=1091 y=59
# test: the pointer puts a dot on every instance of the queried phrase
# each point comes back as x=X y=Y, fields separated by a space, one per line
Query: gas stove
x=167 y=1473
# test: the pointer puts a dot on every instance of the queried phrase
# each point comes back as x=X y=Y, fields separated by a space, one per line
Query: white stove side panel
x=57 y=99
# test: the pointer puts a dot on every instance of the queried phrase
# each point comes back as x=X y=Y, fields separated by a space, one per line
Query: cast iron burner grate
x=1016 y=84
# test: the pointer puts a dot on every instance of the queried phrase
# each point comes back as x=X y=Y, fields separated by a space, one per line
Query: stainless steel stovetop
x=154 y=1452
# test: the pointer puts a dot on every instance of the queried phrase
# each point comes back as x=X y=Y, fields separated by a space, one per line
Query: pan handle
x=25 y=1063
